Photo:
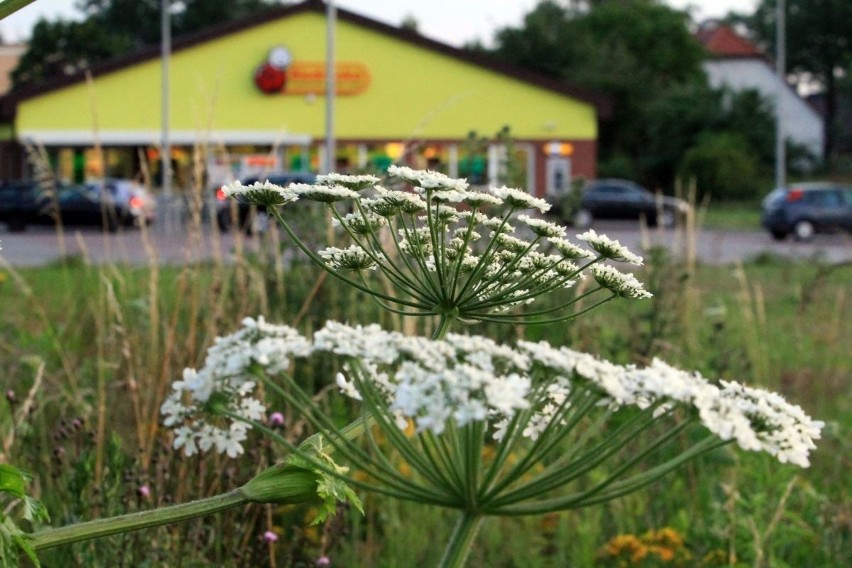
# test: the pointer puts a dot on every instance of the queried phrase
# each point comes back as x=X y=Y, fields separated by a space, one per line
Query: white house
x=737 y=64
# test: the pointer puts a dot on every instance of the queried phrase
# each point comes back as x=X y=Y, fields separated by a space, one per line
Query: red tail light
x=136 y=202
x=795 y=195
x=220 y=194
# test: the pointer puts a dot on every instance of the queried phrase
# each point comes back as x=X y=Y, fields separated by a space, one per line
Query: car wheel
x=804 y=230
x=17 y=225
x=582 y=219
x=778 y=235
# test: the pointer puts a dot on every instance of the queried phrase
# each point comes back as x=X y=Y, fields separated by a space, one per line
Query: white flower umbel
x=474 y=425
x=428 y=245
x=548 y=407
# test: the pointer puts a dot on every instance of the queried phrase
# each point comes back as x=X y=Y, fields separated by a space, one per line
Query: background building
x=249 y=96
x=737 y=64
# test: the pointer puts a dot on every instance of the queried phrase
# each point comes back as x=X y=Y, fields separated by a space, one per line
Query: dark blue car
x=804 y=209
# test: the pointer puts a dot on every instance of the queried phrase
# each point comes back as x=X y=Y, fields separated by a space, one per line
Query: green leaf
x=34 y=510
x=13 y=541
x=12 y=481
x=333 y=490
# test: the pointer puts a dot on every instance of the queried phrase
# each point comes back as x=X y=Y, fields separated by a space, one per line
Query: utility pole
x=165 y=144
x=330 y=87
x=781 y=71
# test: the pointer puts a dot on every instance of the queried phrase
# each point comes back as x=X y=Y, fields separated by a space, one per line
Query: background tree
x=819 y=48
x=634 y=52
x=115 y=27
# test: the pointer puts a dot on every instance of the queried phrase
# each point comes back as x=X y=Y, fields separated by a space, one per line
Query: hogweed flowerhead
x=445 y=249
x=505 y=429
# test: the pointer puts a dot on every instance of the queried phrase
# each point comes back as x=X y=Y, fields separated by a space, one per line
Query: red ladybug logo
x=271 y=76
x=270 y=79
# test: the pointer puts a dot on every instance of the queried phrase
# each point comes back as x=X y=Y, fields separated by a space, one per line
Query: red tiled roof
x=722 y=41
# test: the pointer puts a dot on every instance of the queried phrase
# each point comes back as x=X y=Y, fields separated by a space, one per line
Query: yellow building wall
x=413 y=92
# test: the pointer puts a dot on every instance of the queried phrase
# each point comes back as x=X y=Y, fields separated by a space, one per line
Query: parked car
x=24 y=203
x=248 y=218
x=621 y=199
x=129 y=194
x=804 y=209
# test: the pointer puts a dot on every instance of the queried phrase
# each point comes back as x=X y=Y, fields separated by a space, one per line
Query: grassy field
x=731 y=216
x=88 y=354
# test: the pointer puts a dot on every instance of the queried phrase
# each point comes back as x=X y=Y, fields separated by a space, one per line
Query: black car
x=248 y=218
x=25 y=203
x=622 y=199
x=804 y=209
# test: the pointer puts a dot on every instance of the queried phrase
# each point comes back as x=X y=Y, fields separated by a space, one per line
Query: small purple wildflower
x=270 y=537
x=144 y=491
x=323 y=561
x=276 y=419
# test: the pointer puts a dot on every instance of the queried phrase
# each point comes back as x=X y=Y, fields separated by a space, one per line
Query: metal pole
x=781 y=71
x=166 y=147
x=330 y=152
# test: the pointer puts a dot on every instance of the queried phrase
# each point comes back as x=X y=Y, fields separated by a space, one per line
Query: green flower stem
x=322 y=264
x=443 y=326
x=464 y=533
x=386 y=266
x=50 y=538
x=422 y=273
x=484 y=261
x=517 y=319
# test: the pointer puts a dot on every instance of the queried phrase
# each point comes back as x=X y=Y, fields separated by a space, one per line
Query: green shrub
x=723 y=166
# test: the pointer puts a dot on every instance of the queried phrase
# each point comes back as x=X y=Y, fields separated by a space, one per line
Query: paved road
x=40 y=245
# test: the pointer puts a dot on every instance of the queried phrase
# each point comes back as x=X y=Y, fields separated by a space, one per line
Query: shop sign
x=559 y=149
x=280 y=74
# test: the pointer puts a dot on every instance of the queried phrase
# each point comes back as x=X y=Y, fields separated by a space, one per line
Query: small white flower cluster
x=323 y=193
x=352 y=258
x=226 y=380
x=520 y=199
x=262 y=194
x=624 y=285
x=353 y=182
x=426 y=179
x=610 y=248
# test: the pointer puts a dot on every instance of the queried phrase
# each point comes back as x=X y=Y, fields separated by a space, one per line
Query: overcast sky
x=455 y=22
